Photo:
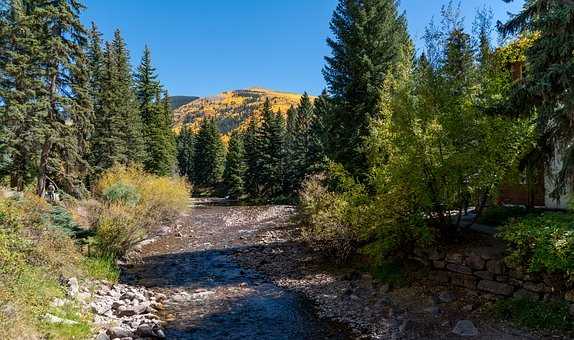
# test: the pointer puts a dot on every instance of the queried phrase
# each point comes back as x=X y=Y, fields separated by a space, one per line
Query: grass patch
x=540 y=315
x=101 y=268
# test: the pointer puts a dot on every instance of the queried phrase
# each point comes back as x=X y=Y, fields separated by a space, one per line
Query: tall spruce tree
x=109 y=143
x=298 y=144
x=185 y=153
x=547 y=87
x=369 y=40
x=156 y=117
x=22 y=92
x=98 y=75
x=66 y=123
x=270 y=144
x=251 y=146
x=126 y=101
x=209 y=161
x=318 y=133
x=235 y=166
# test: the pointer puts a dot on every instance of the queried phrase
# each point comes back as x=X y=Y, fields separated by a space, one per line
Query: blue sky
x=202 y=47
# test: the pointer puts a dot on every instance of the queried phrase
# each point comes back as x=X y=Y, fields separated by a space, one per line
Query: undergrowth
x=539 y=315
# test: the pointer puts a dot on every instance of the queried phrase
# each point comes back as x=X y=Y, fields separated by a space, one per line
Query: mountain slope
x=232 y=109
x=178 y=101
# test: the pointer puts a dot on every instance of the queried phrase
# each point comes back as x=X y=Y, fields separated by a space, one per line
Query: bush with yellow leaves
x=134 y=204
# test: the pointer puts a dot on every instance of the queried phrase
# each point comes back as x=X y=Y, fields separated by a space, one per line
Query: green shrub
x=550 y=315
x=326 y=225
x=121 y=193
x=119 y=228
x=341 y=218
x=62 y=219
x=543 y=242
x=34 y=252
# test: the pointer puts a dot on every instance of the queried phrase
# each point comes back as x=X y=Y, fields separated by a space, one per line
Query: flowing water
x=209 y=295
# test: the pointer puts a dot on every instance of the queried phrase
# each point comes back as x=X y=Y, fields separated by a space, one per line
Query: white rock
x=49 y=318
x=73 y=287
x=57 y=302
x=465 y=328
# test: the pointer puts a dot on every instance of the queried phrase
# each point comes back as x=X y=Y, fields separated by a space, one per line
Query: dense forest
x=71 y=106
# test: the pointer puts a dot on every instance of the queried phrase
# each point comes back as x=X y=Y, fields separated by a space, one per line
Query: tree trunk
x=43 y=168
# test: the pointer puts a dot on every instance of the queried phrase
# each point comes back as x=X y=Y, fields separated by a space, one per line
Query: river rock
x=119 y=332
x=49 y=318
x=102 y=336
x=465 y=328
x=73 y=287
x=133 y=310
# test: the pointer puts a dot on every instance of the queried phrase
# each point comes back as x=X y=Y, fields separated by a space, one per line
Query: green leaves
x=542 y=243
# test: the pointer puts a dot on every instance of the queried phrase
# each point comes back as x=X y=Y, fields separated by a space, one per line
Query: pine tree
x=251 y=146
x=235 y=167
x=98 y=71
x=157 y=119
x=109 y=142
x=319 y=133
x=185 y=153
x=546 y=91
x=126 y=101
x=63 y=41
x=147 y=86
x=369 y=40
x=298 y=141
x=21 y=76
x=270 y=151
x=170 y=137
x=209 y=161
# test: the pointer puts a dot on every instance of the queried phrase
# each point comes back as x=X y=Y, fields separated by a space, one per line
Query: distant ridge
x=233 y=109
x=178 y=101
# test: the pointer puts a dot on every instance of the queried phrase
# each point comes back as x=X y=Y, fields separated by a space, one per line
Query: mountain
x=232 y=109
x=177 y=101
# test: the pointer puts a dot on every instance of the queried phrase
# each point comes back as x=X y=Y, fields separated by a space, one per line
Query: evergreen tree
x=369 y=40
x=185 y=153
x=546 y=91
x=235 y=167
x=270 y=151
x=318 y=134
x=109 y=143
x=157 y=119
x=21 y=76
x=147 y=87
x=125 y=100
x=98 y=74
x=170 y=137
x=299 y=141
x=209 y=161
x=64 y=64
x=251 y=148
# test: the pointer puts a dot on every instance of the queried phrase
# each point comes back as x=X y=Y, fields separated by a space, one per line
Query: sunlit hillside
x=232 y=109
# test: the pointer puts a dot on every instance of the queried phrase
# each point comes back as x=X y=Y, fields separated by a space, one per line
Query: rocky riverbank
x=119 y=311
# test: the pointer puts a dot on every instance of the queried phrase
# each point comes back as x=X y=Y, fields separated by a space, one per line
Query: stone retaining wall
x=484 y=270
